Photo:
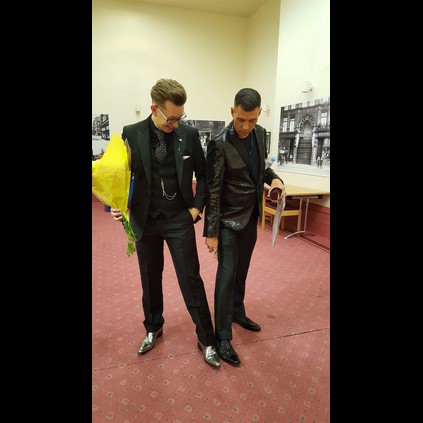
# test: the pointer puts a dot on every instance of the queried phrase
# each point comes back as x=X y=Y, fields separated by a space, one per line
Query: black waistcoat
x=166 y=172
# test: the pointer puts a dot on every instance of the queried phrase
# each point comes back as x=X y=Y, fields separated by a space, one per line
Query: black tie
x=161 y=146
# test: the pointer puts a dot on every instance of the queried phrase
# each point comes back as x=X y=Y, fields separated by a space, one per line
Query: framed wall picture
x=304 y=137
x=204 y=138
x=207 y=129
x=100 y=134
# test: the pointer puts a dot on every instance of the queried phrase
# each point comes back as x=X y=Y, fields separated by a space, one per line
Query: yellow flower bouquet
x=111 y=180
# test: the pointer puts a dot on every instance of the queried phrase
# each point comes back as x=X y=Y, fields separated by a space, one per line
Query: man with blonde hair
x=165 y=155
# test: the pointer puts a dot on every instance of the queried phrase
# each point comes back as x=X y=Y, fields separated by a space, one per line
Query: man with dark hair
x=165 y=154
x=235 y=180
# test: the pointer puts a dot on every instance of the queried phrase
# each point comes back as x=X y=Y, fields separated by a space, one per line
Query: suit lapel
x=261 y=145
x=179 y=141
x=143 y=139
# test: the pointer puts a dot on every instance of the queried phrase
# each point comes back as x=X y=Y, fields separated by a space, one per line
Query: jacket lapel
x=179 y=141
x=260 y=136
x=143 y=139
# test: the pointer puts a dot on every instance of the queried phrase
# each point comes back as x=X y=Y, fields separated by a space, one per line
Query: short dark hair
x=168 y=89
x=248 y=99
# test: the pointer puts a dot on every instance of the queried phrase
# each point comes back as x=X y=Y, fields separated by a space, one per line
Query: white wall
x=303 y=55
x=213 y=56
x=135 y=44
x=261 y=53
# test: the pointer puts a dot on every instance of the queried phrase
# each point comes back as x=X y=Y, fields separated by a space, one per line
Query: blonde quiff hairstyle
x=168 y=90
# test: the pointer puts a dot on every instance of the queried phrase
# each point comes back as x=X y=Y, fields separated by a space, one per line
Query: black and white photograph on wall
x=304 y=137
x=100 y=134
x=204 y=138
x=207 y=129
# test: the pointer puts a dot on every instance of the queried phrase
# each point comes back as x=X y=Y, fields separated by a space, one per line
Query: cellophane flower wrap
x=111 y=181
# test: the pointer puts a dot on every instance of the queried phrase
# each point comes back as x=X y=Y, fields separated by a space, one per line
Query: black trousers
x=179 y=234
x=235 y=249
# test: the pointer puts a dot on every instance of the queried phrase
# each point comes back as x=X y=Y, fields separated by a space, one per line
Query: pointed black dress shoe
x=227 y=353
x=247 y=323
x=149 y=340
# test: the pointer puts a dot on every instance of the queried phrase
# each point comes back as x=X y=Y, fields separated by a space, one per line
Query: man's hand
x=194 y=213
x=212 y=244
x=276 y=183
x=116 y=213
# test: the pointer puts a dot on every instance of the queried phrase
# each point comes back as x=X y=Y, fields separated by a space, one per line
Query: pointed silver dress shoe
x=210 y=354
x=149 y=340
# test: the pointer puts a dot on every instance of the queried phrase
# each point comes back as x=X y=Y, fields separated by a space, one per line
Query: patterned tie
x=161 y=146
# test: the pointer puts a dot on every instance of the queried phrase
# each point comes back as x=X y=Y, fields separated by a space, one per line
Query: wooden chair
x=269 y=209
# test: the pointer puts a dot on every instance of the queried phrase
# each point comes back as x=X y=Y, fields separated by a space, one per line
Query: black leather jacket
x=231 y=193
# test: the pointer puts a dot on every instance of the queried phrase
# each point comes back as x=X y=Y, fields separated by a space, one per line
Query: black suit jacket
x=189 y=162
x=231 y=191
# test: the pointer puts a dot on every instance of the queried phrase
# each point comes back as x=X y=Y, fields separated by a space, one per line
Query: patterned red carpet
x=284 y=371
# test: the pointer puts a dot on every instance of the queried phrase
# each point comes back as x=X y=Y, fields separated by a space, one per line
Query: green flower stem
x=131 y=236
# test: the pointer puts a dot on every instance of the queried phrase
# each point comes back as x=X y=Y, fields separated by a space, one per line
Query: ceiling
x=241 y=8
